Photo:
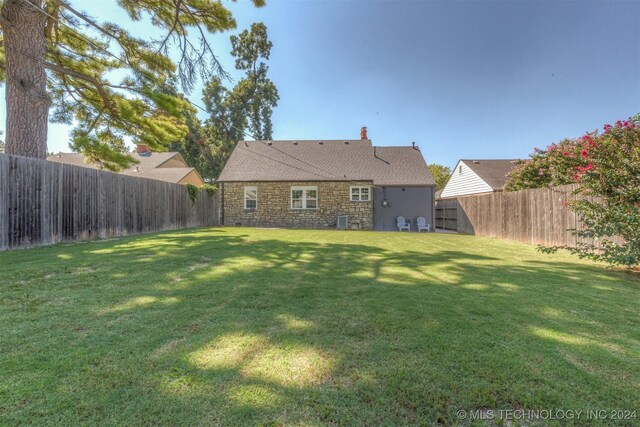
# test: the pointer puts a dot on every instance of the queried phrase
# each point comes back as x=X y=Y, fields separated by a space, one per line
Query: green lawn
x=240 y=326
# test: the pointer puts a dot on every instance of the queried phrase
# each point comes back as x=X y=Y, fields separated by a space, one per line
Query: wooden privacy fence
x=43 y=202
x=536 y=216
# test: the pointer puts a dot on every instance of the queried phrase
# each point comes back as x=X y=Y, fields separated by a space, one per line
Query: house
x=169 y=167
x=477 y=177
x=325 y=184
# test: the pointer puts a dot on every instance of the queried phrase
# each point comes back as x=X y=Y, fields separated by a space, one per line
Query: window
x=251 y=197
x=304 y=197
x=360 y=194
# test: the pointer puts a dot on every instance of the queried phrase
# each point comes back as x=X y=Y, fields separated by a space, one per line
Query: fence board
x=44 y=202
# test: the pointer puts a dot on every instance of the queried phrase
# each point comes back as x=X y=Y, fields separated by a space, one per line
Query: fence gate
x=447 y=214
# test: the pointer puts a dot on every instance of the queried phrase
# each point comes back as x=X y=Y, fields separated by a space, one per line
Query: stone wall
x=274 y=206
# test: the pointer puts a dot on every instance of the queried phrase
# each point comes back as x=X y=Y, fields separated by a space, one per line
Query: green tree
x=62 y=57
x=236 y=113
x=441 y=174
x=194 y=147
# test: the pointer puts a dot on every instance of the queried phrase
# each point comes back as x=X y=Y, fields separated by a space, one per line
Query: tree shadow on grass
x=219 y=327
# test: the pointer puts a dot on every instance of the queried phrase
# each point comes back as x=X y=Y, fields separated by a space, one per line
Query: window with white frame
x=360 y=194
x=251 y=197
x=304 y=197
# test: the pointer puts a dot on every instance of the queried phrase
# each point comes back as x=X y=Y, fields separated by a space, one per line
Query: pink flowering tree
x=607 y=166
x=609 y=193
x=557 y=164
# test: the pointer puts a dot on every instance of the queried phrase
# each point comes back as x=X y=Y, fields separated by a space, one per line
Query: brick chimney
x=143 y=149
x=363 y=133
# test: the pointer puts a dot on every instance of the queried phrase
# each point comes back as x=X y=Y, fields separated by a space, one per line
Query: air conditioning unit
x=343 y=222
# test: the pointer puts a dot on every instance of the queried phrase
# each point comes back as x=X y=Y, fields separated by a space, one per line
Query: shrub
x=193 y=191
x=210 y=188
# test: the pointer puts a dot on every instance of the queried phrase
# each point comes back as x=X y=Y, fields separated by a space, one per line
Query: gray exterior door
x=409 y=202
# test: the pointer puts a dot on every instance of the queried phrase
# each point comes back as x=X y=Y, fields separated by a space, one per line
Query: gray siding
x=409 y=202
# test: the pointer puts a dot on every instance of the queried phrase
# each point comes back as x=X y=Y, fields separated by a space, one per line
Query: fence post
x=4 y=202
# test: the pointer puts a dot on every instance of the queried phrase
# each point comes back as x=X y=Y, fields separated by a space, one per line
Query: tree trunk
x=27 y=100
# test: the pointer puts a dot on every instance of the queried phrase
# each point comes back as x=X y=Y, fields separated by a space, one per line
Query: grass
x=239 y=326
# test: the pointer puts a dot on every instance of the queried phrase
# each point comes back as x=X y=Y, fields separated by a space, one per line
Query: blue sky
x=479 y=79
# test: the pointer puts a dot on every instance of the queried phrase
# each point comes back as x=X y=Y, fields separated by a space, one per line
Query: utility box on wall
x=342 y=222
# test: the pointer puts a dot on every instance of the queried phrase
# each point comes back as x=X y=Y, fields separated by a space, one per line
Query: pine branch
x=52 y=20
x=87 y=20
x=94 y=122
x=100 y=86
x=206 y=46
x=99 y=28
x=176 y=22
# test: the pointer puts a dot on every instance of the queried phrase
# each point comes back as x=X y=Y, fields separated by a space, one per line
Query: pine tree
x=52 y=54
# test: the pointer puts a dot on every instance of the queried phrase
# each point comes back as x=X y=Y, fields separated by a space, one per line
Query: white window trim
x=304 y=197
x=359 y=187
x=250 y=188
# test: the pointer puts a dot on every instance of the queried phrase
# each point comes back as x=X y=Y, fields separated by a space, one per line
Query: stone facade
x=274 y=206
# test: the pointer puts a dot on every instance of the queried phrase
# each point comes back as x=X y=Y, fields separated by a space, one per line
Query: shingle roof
x=75 y=159
x=161 y=174
x=334 y=160
x=493 y=172
x=147 y=162
x=148 y=166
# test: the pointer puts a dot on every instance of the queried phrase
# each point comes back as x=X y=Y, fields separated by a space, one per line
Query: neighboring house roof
x=321 y=160
x=150 y=166
x=493 y=172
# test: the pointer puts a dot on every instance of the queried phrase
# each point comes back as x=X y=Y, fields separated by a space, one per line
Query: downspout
x=222 y=203
x=433 y=208
x=373 y=207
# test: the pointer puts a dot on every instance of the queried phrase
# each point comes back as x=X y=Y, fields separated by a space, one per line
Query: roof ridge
x=304 y=140
x=486 y=160
x=395 y=146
